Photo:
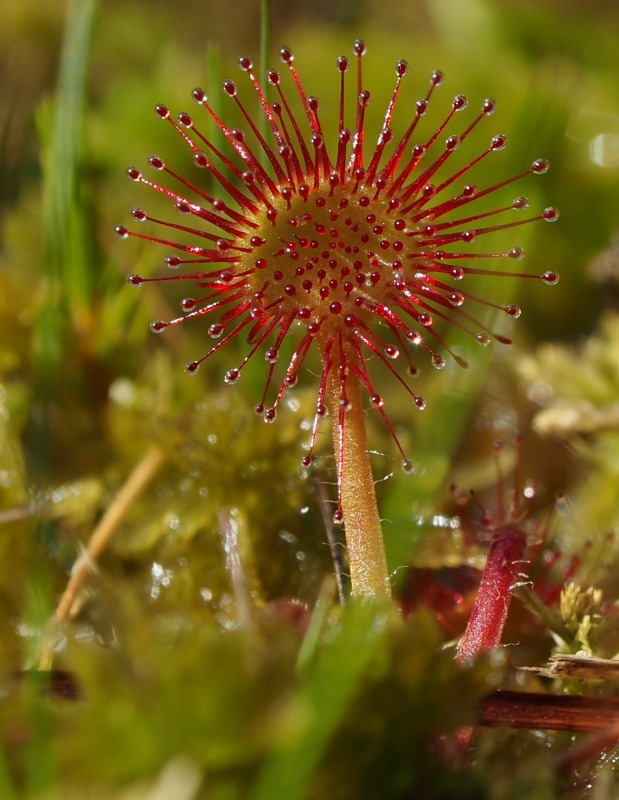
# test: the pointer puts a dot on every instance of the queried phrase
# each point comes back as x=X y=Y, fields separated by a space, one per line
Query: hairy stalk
x=364 y=537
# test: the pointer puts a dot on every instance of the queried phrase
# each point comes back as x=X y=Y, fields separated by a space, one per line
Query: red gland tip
x=550 y=214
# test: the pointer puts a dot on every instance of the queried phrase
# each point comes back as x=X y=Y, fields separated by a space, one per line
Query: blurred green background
x=85 y=389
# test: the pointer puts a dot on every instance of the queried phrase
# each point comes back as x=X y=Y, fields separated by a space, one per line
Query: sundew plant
x=341 y=244
x=404 y=586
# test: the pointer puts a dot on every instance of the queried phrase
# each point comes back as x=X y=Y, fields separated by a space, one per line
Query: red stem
x=484 y=629
x=487 y=621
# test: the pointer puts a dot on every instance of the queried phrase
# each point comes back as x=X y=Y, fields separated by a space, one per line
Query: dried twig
x=102 y=535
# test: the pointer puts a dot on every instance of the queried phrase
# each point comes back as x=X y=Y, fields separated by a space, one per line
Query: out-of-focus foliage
x=180 y=693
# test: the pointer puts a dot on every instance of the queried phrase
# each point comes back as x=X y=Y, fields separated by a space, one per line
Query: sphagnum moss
x=363 y=253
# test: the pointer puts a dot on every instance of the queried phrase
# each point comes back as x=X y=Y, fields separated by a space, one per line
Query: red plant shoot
x=357 y=251
x=505 y=568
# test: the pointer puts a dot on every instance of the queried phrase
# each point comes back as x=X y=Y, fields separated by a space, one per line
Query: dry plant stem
x=364 y=536
x=577 y=713
x=102 y=535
